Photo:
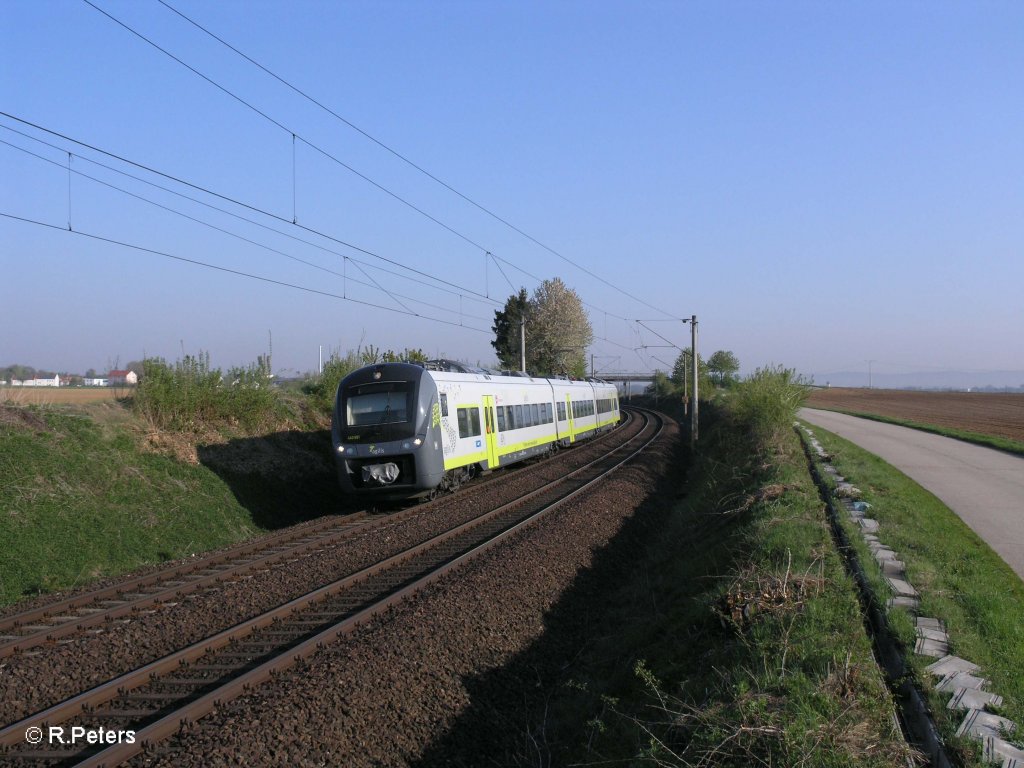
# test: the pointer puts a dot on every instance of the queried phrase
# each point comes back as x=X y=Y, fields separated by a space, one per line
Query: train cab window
x=386 y=402
x=444 y=405
x=469 y=422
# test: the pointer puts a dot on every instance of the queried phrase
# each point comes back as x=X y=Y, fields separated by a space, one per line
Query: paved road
x=985 y=487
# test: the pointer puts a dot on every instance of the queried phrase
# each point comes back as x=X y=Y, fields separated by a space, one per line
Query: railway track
x=155 y=700
x=95 y=610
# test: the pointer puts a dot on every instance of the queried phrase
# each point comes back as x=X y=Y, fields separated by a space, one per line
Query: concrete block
x=954 y=681
x=860 y=506
x=973 y=698
x=981 y=724
x=901 y=587
x=868 y=525
x=926 y=646
x=995 y=749
x=870 y=538
x=923 y=622
x=948 y=664
x=932 y=634
x=907 y=603
x=894 y=568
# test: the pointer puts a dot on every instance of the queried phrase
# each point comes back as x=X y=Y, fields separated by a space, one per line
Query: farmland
x=982 y=413
x=62 y=395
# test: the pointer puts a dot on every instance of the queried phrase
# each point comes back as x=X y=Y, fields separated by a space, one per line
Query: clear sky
x=822 y=184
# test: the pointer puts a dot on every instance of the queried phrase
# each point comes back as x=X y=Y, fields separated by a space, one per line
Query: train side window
x=519 y=417
x=463 y=414
x=561 y=411
x=474 y=417
x=544 y=413
x=535 y=411
x=444 y=405
x=501 y=418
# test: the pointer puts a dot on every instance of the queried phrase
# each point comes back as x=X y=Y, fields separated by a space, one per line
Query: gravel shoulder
x=458 y=674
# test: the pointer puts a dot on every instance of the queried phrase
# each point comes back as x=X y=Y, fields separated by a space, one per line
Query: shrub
x=190 y=394
x=322 y=388
x=765 y=404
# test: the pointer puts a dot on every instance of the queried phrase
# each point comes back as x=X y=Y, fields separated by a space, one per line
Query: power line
x=367 y=135
x=236 y=272
x=240 y=217
x=372 y=284
x=248 y=206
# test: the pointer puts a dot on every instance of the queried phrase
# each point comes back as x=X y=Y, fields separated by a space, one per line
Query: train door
x=490 y=427
x=568 y=414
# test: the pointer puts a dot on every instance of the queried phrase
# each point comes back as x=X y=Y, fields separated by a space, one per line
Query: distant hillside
x=958 y=380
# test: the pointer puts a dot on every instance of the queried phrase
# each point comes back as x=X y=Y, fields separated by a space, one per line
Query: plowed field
x=51 y=395
x=999 y=415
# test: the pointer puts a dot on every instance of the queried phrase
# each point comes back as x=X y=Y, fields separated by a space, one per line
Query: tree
x=723 y=367
x=506 y=329
x=559 y=331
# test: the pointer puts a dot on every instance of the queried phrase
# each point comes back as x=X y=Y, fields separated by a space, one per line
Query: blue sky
x=822 y=184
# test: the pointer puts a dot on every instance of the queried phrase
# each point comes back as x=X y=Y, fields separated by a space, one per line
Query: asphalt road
x=983 y=486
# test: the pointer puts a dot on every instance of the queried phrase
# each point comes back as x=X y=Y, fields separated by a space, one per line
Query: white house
x=120 y=378
x=54 y=382
x=95 y=382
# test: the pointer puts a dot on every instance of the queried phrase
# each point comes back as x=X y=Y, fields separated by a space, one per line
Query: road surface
x=983 y=486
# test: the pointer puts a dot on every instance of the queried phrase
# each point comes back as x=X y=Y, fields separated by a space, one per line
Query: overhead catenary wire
x=461 y=290
x=242 y=204
x=408 y=161
x=240 y=217
x=236 y=272
x=337 y=160
x=373 y=283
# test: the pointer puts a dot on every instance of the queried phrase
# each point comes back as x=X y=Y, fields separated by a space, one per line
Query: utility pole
x=591 y=366
x=693 y=356
x=320 y=367
x=869 y=373
x=522 y=342
x=686 y=386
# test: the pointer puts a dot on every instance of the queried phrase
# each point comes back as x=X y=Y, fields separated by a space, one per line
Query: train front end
x=386 y=432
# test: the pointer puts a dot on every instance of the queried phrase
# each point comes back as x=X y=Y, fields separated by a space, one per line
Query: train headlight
x=341 y=449
x=417 y=441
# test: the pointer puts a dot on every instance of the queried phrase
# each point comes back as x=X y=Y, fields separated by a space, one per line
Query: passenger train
x=403 y=430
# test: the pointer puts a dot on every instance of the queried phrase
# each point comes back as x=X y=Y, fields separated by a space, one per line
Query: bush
x=322 y=389
x=764 y=404
x=190 y=394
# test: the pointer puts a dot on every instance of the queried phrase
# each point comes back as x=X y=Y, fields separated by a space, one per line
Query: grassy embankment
x=188 y=464
x=961 y=580
x=739 y=639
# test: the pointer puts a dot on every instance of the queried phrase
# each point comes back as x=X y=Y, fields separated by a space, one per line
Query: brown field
x=996 y=414
x=63 y=395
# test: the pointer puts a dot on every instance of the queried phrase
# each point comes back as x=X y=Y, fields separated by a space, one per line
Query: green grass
x=961 y=580
x=80 y=501
x=979 y=438
x=738 y=639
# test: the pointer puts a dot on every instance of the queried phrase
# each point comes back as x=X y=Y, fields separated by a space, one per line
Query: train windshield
x=385 y=402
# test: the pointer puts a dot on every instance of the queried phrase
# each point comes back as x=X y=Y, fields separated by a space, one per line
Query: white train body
x=405 y=430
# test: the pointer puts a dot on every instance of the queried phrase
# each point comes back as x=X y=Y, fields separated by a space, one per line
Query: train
x=414 y=430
